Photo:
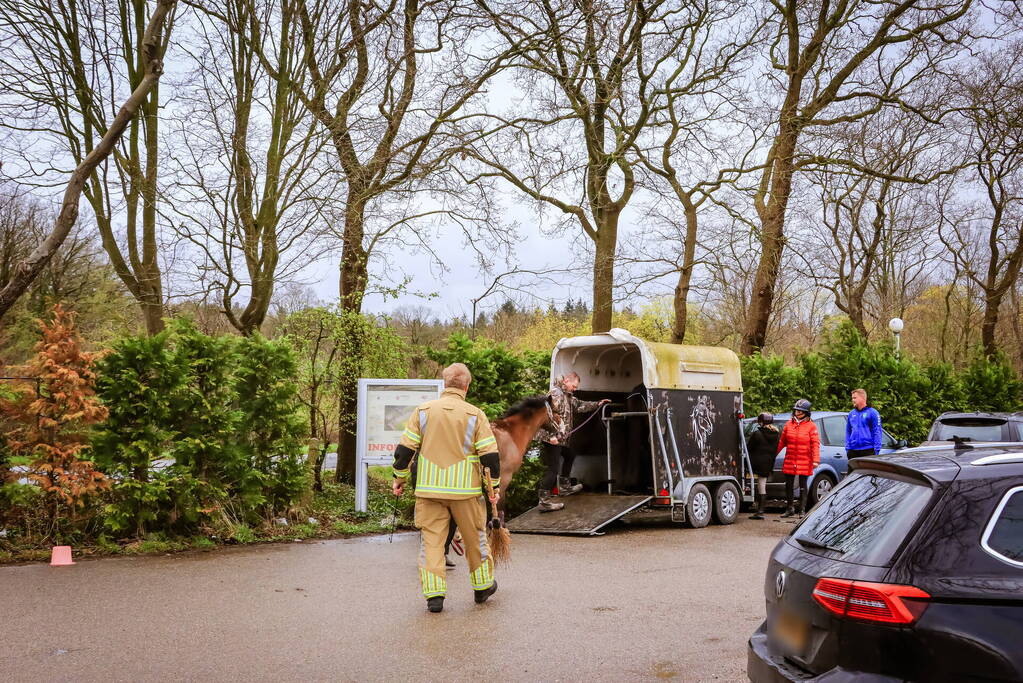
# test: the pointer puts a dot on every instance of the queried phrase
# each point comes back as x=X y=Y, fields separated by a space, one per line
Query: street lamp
x=896 y=325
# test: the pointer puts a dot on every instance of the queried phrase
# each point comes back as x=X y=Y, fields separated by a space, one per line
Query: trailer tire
x=699 y=507
x=727 y=502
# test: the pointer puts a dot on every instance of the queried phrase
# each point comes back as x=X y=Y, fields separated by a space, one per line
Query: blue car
x=833 y=466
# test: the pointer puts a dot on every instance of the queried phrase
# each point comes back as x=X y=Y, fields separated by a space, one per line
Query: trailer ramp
x=584 y=514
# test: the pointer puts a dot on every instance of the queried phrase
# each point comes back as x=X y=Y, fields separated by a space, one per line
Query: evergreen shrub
x=202 y=431
x=909 y=395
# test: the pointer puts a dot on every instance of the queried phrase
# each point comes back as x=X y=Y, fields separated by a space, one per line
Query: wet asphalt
x=647 y=602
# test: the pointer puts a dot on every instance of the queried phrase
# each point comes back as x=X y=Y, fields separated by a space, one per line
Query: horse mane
x=524 y=410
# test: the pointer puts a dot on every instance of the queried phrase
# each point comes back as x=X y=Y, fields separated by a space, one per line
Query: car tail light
x=884 y=603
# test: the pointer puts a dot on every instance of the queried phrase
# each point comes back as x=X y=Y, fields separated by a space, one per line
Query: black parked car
x=976 y=427
x=912 y=569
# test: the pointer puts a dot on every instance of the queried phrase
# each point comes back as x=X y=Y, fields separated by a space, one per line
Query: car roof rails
x=999 y=459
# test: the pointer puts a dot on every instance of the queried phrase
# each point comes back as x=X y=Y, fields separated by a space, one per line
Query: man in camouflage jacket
x=554 y=450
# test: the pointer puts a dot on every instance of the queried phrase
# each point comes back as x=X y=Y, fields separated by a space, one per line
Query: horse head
x=530 y=414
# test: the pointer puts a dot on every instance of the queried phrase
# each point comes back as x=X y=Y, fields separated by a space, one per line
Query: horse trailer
x=670 y=441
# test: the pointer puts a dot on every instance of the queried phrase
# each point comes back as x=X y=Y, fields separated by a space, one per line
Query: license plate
x=790 y=631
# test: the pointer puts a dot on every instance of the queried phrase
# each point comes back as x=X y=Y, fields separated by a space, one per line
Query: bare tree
x=45 y=67
x=386 y=82
x=695 y=139
x=868 y=239
x=993 y=93
x=591 y=76
x=250 y=188
x=383 y=80
x=836 y=61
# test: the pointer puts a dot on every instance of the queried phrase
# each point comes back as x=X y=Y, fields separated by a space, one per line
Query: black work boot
x=547 y=504
x=758 y=507
x=435 y=604
x=567 y=488
x=802 y=504
x=481 y=596
x=789 y=511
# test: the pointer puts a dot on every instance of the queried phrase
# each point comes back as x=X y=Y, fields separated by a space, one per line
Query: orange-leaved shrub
x=50 y=419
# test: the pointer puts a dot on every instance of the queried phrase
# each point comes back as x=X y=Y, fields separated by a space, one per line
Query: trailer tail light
x=883 y=603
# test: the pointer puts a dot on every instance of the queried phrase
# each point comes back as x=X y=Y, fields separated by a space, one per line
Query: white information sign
x=384 y=407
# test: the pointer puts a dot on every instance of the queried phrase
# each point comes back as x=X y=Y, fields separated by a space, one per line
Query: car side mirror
x=901 y=443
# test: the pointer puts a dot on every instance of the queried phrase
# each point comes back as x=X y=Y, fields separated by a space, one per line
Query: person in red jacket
x=803 y=454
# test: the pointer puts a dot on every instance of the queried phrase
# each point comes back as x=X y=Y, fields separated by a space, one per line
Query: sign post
x=384 y=406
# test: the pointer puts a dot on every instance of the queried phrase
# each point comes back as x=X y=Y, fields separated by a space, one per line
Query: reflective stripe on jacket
x=803 y=444
x=450 y=435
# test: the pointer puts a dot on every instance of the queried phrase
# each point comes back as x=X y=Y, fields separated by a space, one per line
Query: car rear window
x=972 y=429
x=1003 y=537
x=864 y=520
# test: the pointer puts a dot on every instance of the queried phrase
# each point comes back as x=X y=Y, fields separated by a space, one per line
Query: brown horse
x=513 y=432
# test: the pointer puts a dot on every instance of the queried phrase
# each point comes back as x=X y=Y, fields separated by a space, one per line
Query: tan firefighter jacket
x=452 y=438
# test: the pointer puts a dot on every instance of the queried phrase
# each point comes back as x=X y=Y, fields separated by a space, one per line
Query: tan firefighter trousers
x=433 y=515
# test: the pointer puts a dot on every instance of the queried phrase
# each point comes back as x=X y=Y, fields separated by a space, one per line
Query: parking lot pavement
x=641 y=603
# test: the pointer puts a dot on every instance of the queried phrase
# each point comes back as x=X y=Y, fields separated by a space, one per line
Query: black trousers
x=789 y=481
x=557 y=459
x=452 y=528
x=858 y=452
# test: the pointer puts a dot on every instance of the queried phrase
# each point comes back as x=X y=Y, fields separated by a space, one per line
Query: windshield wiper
x=812 y=543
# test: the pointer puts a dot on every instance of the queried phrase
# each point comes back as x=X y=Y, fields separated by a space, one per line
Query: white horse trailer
x=670 y=439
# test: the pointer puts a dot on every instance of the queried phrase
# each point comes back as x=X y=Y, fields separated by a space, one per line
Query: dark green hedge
x=909 y=395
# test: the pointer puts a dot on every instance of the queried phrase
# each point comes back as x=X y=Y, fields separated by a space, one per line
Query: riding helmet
x=804 y=405
x=765 y=418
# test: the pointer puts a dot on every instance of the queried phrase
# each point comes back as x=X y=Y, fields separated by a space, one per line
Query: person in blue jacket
x=863 y=428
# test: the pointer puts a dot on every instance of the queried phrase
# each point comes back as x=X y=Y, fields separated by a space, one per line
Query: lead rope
x=595 y=413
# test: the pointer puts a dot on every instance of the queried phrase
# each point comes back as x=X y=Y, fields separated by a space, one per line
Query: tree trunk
x=1017 y=329
x=992 y=305
x=354 y=259
x=28 y=269
x=685 y=276
x=346 y=442
x=772 y=238
x=855 y=306
x=149 y=275
x=354 y=277
x=604 y=274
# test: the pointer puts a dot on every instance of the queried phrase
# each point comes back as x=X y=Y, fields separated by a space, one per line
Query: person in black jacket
x=762 y=445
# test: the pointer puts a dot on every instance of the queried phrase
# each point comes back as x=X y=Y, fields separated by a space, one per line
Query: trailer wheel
x=699 y=507
x=726 y=503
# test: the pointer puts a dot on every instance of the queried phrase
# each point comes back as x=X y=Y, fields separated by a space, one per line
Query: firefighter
x=452 y=442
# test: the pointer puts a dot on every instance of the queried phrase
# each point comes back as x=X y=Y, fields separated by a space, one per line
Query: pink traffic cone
x=60 y=556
